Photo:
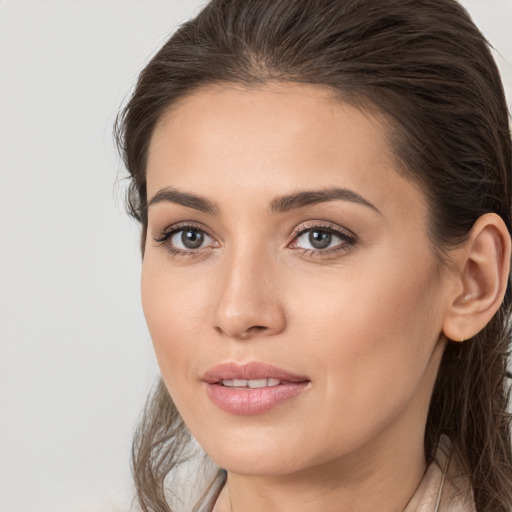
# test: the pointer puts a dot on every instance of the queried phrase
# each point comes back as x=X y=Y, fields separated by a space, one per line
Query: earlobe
x=482 y=273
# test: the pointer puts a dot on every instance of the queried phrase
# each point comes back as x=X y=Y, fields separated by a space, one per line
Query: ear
x=482 y=267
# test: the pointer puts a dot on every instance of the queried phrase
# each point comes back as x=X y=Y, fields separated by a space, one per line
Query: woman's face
x=294 y=304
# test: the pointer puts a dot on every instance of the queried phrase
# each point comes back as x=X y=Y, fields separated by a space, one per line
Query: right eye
x=185 y=239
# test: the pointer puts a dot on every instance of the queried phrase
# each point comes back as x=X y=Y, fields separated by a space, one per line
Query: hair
x=428 y=71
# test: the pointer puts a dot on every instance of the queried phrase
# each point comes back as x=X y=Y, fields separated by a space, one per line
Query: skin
x=364 y=319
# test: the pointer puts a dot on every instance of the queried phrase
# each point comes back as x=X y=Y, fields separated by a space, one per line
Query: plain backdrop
x=75 y=357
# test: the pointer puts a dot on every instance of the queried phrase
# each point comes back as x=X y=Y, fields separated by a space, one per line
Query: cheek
x=174 y=309
x=371 y=336
x=369 y=305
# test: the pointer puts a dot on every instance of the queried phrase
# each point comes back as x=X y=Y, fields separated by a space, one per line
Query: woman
x=324 y=193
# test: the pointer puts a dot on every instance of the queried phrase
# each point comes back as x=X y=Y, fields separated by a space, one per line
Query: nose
x=249 y=304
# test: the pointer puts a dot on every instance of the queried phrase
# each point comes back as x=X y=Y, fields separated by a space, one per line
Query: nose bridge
x=248 y=303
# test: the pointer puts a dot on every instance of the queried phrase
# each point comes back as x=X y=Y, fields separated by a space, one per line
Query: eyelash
x=347 y=237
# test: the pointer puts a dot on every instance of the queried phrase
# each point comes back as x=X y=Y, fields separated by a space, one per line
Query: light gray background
x=75 y=357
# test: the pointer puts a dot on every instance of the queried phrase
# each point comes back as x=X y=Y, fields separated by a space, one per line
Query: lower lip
x=247 y=401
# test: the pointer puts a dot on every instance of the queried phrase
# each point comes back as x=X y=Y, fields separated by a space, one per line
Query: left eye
x=318 y=239
x=189 y=239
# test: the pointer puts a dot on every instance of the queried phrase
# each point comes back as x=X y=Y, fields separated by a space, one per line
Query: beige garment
x=444 y=488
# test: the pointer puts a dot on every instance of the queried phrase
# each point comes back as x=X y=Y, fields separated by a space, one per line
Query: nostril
x=245 y=334
x=254 y=329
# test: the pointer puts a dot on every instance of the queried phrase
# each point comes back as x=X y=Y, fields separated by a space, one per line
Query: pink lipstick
x=251 y=388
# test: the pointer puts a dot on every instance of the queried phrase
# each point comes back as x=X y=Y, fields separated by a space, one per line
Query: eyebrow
x=309 y=197
x=172 y=195
x=280 y=204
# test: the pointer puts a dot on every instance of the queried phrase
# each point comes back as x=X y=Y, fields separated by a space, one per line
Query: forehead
x=281 y=136
x=269 y=116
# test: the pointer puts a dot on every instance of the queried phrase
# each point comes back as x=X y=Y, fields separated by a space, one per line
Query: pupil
x=192 y=239
x=320 y=239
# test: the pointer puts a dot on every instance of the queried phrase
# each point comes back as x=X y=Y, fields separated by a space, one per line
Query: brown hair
x=425 y=66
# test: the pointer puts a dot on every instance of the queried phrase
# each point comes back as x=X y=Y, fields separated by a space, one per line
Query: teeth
x=253 y=383
x=260 y=383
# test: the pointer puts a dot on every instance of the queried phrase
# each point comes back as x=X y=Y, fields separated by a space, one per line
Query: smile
x=251 y=388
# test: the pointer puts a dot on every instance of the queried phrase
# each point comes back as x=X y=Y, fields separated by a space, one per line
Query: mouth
x=251 y=388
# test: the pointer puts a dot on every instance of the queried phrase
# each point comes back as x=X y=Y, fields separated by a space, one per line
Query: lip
x=248 y=401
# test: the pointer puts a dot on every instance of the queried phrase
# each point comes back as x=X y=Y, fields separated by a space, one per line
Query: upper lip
x=253 y=370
